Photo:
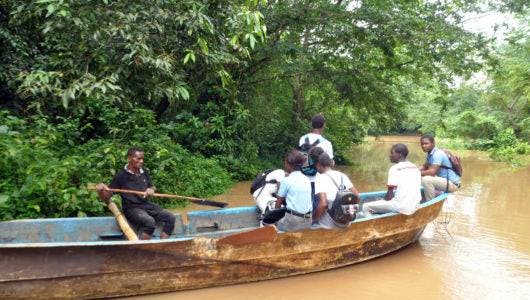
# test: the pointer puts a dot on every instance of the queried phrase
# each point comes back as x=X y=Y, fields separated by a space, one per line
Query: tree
x=322 y=55
x=66 y=57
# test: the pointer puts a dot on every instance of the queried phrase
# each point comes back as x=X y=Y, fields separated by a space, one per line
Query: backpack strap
x=316 y=142
x=341 y=181
x=338 y=190
x=447 y=172
x=263 y=187
x=449 y=159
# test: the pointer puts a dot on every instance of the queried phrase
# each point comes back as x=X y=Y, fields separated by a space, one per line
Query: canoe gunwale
x=212 y=235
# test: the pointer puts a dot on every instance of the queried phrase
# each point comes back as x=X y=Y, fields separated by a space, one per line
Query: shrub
x=475 y=125
x=46 y=172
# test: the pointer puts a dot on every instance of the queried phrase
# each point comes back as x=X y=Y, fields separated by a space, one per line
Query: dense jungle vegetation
x=216 y=90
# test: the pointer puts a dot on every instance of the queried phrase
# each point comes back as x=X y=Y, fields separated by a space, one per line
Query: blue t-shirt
x=438 y=157
x=296 y=189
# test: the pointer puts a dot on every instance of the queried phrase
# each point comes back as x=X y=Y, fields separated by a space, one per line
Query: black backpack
x=260 y=181
x=309 y=168
x=345 y=206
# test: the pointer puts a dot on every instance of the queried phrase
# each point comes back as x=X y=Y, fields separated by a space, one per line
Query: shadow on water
x=486 y=255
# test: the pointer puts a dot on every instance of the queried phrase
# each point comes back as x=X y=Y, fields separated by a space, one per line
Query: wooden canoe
x=88 y=258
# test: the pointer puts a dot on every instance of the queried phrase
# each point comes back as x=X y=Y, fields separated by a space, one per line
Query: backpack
x=456 y=162
x=260 y=181
x=309 y=167
x=345 y=206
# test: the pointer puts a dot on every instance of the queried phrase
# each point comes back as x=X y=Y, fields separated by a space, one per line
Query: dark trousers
x=146 y=216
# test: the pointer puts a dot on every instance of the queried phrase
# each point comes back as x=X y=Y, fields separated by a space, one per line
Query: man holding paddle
x=136 y=208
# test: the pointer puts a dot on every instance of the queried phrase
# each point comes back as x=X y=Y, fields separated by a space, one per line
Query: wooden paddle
x=122 y=222
x=191 y=199
x=260 y=235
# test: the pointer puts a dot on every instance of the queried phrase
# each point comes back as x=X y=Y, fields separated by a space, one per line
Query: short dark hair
x=133 y=150
x=314 y=153
x=295 y=158
x=401 y=149
x=324 y=160
x=318 y=121
x=428 y=136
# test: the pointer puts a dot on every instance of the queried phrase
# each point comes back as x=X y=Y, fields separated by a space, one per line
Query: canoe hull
x=199 y=276
x=141 y=268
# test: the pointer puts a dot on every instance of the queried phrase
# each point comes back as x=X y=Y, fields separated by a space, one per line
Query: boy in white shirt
x=404 y=183
x=318 y=125
x=327 y=183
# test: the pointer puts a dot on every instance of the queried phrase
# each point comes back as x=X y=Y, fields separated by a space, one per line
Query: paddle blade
x=261 y=235
x=209 y=203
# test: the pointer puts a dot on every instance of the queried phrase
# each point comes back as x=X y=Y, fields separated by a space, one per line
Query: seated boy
x=404 y=183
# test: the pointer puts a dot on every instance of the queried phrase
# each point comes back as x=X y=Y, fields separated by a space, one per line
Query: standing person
x=295 y=194
x=315 y=139
x=327 y=183
x=437 y=172
x=318 y=125
x=404 y=184
x=137 y=209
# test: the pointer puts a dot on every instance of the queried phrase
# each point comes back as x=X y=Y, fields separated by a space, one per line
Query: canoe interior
x=211 y=223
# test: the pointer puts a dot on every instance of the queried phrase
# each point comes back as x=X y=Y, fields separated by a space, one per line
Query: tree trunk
x=298 y=101
x=297 y=82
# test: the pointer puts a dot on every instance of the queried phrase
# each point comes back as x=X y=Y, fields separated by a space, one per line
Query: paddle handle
x=192 y=199
x=122 y=222
x=139 y=193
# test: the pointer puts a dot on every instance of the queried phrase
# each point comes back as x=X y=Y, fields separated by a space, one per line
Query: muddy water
x=479 y=248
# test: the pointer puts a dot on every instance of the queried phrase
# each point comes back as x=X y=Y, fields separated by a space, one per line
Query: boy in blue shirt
x=437 y=172
x=295 y=194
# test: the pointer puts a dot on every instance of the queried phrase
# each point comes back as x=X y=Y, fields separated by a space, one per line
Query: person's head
x=135 y=158
x=427 y=142
x=324 y=162
x=294 y=160
x=318 y=122
x=398 y=153
x=314 y=153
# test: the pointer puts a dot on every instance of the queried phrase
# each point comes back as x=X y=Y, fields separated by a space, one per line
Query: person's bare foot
x=145 y=236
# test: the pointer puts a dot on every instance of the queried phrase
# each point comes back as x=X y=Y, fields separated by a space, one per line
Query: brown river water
x=479 y=247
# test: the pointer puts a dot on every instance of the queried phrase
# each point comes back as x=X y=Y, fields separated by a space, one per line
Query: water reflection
x=482 y=253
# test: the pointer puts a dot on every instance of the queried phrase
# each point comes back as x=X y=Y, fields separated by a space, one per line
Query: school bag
x=261 y=180
x=345 y=206
x=456 y=162
x=309 y=167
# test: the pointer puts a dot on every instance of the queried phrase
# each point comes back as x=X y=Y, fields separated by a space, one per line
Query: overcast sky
x=485 y=23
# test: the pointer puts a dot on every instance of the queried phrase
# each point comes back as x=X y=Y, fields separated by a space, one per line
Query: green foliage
x=46 y=175
x=473 y=124
x=215 y=90
x=506 y=147
x=241 y=169
x=322 y=55
x=216 y=130
x=63 y=56
x=492 y=116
